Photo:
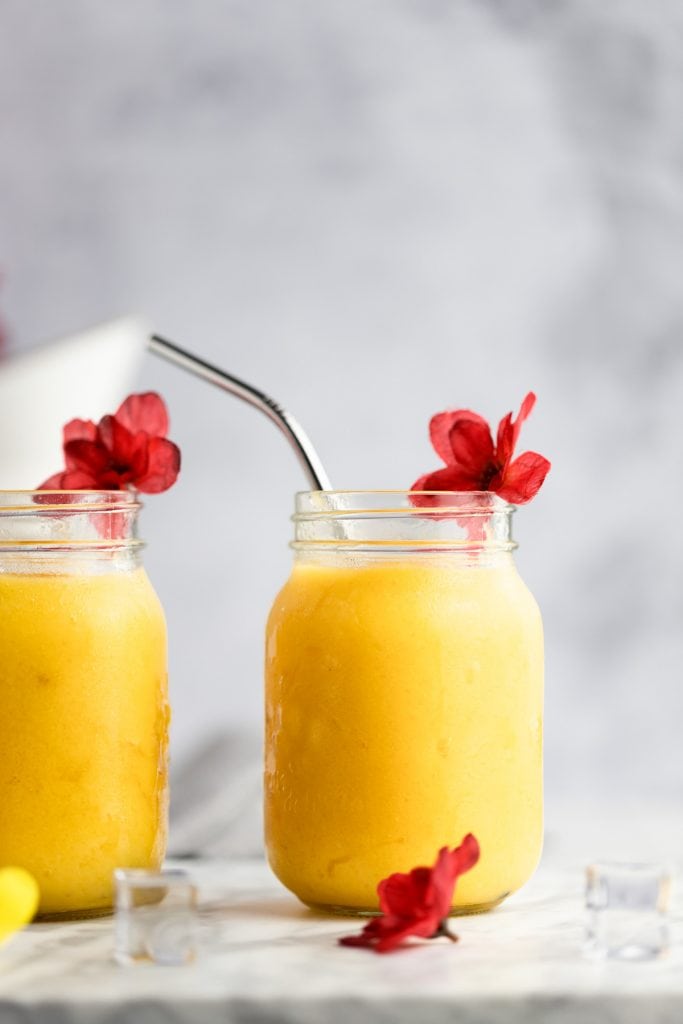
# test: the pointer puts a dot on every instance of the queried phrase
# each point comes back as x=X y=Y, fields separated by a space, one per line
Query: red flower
x=128 y=449
x=417 y=903
x=464 y=441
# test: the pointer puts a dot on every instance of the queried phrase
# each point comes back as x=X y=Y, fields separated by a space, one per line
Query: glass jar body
x=404 y=695
x=84 y=726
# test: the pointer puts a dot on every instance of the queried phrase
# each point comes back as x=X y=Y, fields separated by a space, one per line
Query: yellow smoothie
x=83 y=731
x=403 y=710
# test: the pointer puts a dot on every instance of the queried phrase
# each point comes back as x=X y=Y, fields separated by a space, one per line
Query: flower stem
x=443 y=932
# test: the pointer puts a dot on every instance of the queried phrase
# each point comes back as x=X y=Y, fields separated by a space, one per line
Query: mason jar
x=83 y=693
x=404 y=698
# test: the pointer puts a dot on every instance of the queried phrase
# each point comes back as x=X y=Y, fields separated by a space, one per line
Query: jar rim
x=491 y=495
x=402 y=521
x=55 y=523
x=404 y=502
x=39 y=500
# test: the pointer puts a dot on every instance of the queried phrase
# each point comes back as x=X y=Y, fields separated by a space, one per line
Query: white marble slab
x=266 y=958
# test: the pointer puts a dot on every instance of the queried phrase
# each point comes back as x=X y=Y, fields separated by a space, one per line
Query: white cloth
x=216 y=799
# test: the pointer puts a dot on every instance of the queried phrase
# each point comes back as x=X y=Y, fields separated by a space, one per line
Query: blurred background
x=374 y=210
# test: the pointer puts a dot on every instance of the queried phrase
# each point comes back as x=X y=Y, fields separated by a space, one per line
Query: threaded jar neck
x=393 y=522
x=53 y=526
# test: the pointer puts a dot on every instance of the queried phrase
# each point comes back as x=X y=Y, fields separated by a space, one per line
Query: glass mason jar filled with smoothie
x=404 y=698
x=83 y=692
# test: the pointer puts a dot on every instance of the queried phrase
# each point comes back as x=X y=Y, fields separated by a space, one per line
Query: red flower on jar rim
x=128 y=449
x=417 y=903
x=475 y=462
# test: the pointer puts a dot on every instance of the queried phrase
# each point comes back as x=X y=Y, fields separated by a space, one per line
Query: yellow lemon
x=18 y=900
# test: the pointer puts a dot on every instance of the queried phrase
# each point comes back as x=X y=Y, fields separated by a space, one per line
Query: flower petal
x=504 y=442
x=465 y=856
x=163 y=466
x=508 y=430
x=441 y=425
x=472 y=446
x=69 y=480
x=79 y=430
x=523 y=478
x=450 y=478
x=442 y=884
x=400 y=894
x=450 y=864
x=385 y=933
x=375 y=928
x=394 y=938
x=86 y=456
x=77 y=480
x=118 y=440
x=146 y=411
x=525 y=409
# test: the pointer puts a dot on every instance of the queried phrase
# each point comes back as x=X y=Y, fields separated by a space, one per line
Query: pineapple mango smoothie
x=83 y=731
x=403 y=710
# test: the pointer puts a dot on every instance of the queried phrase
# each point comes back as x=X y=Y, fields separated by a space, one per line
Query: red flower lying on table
x=417 y=903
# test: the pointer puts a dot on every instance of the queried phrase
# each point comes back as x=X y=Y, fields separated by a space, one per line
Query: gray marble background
x=375 y=209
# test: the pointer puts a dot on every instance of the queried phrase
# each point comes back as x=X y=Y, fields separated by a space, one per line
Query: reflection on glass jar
x=83 y=691
x=404 y=698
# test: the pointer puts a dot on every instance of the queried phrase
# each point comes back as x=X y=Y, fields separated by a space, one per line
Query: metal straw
x=297 y=437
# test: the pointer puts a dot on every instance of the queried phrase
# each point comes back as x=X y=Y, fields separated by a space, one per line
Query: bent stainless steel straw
x=295 y=434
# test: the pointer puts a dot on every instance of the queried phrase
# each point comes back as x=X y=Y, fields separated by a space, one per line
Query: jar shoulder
x=413 y=588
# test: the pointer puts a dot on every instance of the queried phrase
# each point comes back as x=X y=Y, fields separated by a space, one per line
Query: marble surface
x=266 y=958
